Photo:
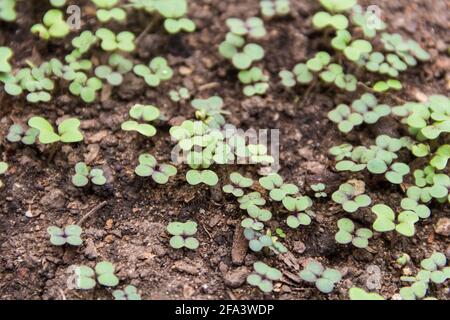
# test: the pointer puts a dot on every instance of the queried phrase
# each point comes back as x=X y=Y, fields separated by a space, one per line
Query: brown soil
x=129 y=230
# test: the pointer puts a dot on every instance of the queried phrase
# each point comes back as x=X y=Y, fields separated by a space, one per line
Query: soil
x=128 y=228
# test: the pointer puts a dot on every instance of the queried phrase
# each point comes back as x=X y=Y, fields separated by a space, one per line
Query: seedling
x=251 y=200
x=82 y=86
x=128 y=293
x=68 y=130
x=5 y=55
x=341 y=152
x=369 y=23
x=156 y=72
x=349 y=199
x=180 y=94
x=323 y=19
x=319 y=190
x=183 y=235
x=3 y=167
x=369 y=108
x=403 y=259
x=419 y=194
x=376 y=62
x=108 y=73
x=148 y=166
x=385 y=220
x=107 y=12
x=359 y=294
x=272 y=8
x=299 y=207
x=123 y=41
x=436 y=266
x=408 y=50
x=238 y=182
x=324 y=279
x=258 y=154
x=396 y=172
x=353 y=50
x=334 y=73
x=241 y=55
x=7 y=10
x=345 y=118
x=84 y=42
x=263 y=276
x=104 y=273
x=16 y=133
x=278 y=189
x=71 y=234
x=83 y=174
x=253 y=224
x=441 y=157
x=319 y=62
x=383 y=86
x=173 y=26
x=256 y=82
x=254 y=27
x=417 y=291
x=210 y=111
x=53 y=26
x=441 y=187
x=348 y=234
x=57 y=3
x=208 y=177
x=338 y=5
x=144 y=113
x=421 y=210
x=300 y=74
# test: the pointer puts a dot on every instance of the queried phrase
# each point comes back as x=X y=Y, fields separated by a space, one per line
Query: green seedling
x=148 y=166
x=53 y=26
x=319 y=62
x=376 y=62
x=16 y=133
x=183 y=235
x=5 y=55
x=324 y=279
x=107 y=11
x=104 y=273
x=58 y=3
x=341 y=152
x=359 y=294
x=263 y=276
x=128 y=293
x=84 y=41
x=441 y=157
x=3 y=167
x=349 y=199
x=82 y=86
x=173 y=26
x=156 y=72
x=408 y=50
x=353 y=50
x=369 y=22
x=7 y=10
x=272 y=8
x=436 y=267
x=210 y=111
x=123 y=41
x=253 y=224
x=144 y=113
x=251 y=200
x=417 y=291
x=300 y=74
x=208 y=177
x=68 y=130
x=71 y=234
x=348 y=234
x=256 y=240
x=278 y=189
x=403 y=259
x=441 y=187
x=180 y=94
x=323 y=20
x=241 y=55
x=298 y=207
x=345 y=118
x=396 y=172
x=419 y=194
x=238 y=182
x=367 y=105
x=256 y=82
x=319 y=190
x=83 y=174
x=113 y=73
x=421 y=210
x=383 y=86
x=338 y=5
x=254 y=27
x=385 y=220
x=334 y=73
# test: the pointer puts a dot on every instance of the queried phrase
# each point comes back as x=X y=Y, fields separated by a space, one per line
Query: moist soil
x=127 y=225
